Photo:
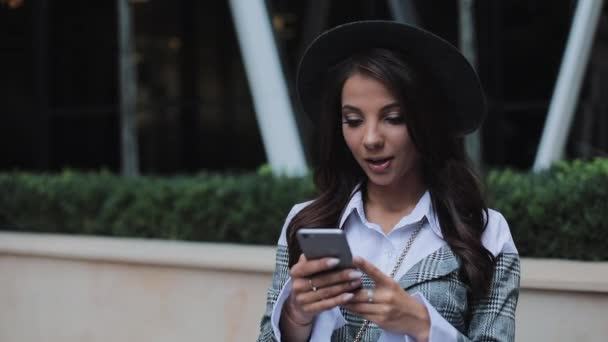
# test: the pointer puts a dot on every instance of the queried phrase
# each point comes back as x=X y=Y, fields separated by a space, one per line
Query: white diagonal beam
x=466 y=16
x=271 y=100
x=570 y=78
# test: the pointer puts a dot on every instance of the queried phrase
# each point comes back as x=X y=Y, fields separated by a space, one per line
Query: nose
x=373 y=139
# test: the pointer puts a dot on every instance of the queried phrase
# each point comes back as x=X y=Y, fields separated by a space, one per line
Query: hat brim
x=454 y=75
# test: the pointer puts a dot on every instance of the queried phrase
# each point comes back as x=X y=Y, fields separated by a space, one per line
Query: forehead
x=360 y=89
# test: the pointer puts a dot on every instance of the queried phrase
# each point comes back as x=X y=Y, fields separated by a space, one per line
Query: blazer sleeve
x=493 y=316
x=279 y=278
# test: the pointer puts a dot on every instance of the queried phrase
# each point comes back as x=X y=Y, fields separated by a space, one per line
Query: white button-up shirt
x=367 y=239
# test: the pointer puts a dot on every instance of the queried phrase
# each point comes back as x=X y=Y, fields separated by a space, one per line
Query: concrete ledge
x=564 y=275
x=84 y=288
x=212 y=256
x=545 y=274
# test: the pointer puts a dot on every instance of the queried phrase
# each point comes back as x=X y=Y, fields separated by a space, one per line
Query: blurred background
x=151 y=149
x=60 y=79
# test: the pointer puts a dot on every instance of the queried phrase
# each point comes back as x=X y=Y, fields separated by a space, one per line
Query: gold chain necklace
x=406 y=249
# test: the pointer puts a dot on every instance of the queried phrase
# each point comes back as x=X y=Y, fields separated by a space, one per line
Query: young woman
x=392 y=104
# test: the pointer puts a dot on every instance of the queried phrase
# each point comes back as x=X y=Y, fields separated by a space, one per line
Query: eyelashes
x=352 y=122
x=393 y=120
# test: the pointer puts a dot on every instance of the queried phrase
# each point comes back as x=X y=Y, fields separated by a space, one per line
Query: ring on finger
x=370 y=295
x=312 y=286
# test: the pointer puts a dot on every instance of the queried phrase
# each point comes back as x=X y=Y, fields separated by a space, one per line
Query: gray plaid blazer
x=491 y=318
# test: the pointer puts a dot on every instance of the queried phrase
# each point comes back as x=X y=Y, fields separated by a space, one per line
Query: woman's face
x=374 y=128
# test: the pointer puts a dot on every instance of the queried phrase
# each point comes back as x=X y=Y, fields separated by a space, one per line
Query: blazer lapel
x=437 y=264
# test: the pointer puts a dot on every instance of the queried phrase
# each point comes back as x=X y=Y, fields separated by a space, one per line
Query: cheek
x=411 y=153
x=399 y=138
x=350 y=139
x=404 y=144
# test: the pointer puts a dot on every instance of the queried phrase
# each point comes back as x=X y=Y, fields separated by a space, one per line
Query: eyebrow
x=387 y=107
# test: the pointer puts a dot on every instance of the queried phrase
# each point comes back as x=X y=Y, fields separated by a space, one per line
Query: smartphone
x=325 y=242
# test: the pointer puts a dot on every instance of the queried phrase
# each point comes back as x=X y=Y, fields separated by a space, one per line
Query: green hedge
x=207 y=207
x=560 y=213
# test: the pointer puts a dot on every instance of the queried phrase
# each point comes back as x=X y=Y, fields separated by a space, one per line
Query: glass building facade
x=59 y=79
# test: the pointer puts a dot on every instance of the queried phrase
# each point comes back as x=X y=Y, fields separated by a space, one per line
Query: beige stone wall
x=64 y=288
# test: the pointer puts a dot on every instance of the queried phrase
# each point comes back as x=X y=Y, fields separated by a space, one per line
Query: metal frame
x=271 y=99
x=404 y=11
x=127 y=91
x=567 y=89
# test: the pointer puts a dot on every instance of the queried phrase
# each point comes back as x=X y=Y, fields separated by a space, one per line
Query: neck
x=396 y=198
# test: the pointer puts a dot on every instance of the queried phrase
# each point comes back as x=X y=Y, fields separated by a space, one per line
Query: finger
x=300 y=285
x=302 y=259
x=303 y=285
x=361 y=303
x=372 y=271
x=337 y=277
x=366 y=308
x=327 y=292
x=306 y=268
x=378 y=295
x=328 y=303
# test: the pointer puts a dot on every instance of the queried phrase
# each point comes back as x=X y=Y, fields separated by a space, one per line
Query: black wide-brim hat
x=450 y=71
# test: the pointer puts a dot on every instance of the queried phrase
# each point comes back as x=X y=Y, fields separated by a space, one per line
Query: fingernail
x=333 y=262
x=355 y=283
x=357 y=259
x=347 y=296
x=355 y=275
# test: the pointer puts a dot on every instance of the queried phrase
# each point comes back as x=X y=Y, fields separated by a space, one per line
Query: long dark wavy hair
x=454 y=188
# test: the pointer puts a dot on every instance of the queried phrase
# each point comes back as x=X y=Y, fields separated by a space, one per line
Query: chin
x=384 y=180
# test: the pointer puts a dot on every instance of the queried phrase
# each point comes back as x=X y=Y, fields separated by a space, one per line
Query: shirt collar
x=423 y=208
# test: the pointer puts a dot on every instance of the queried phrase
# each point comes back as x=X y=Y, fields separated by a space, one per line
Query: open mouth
x=378 y=161
x=379 y=164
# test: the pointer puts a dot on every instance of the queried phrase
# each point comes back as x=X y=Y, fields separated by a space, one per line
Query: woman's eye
x=352 y=122
x=395 y=120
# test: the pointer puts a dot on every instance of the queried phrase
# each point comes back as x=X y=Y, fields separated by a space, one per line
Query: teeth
x=378 y=161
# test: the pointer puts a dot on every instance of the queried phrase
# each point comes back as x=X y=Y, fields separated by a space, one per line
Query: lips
x=379 y=164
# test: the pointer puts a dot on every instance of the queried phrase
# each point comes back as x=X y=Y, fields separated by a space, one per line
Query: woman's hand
x=314 y=292
x=388 y=305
